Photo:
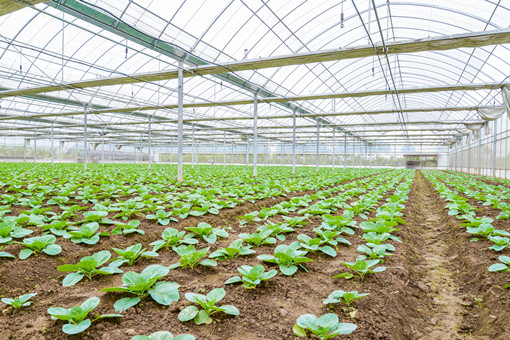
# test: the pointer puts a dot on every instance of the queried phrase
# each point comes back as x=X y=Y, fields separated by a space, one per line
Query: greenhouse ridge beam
x=209 y=119
x=475 y=39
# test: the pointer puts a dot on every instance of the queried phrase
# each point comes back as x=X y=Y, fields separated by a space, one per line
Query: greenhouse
x=254 y=169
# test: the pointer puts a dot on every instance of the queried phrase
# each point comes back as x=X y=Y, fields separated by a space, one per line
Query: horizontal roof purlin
x=475 y=39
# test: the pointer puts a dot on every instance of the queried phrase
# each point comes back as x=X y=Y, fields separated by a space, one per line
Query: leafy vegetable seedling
x=171 y=237
x=208 y=233
x=190 y=257
x=87 y=233
x=133 y=253
x=207 y=303
x=252 y=276
x=235 y=249
x=129 y=228
x=376 y=251
x=9 y=230
x=45 y=243
x=88 y=267
x=76 y=316
x=163 y=335
x=5 y=254
x=325 y=327
x=314 y=244
x=361 y=268
x=21 y=301
x=163 y=217
x=287 y=257
x=258 y=239
x=340 y=296
x=145 y=284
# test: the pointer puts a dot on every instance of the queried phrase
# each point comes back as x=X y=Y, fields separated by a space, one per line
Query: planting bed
x=436 y=284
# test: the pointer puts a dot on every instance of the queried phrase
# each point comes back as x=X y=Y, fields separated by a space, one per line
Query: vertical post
x=480 y=152
x=370 y=155
x=281 y=154
x=35 y=147
x=102 y=148
x=255 y=103
x=171 y=152
x=267 y=150
x=25 y=150
x=232 y=157
x=150 y=140
x=85 y=138
x=294 y=142
x=51 y=143
x=224 y=150
x=354 y=153
x=333 y=158
x=180 y=122
x=345 y=150
x=247 y=158
x=461 y=153
x=494 y=148
x=469 y=154
x=193 y=158
x=215 y=151
x=366 y=150
x=317 y=148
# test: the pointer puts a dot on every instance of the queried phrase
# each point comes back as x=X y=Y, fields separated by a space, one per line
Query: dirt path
x=436 y=254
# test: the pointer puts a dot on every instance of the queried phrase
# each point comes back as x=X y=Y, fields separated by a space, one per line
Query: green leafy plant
x=343 y=223
x=133 y=253
x=325 y=327
x=361 y=268
x=294 y=222
x=331 y=237
x=77 y=316
x=277 y=229
x=87 y=233
x=5 y=254
x=33 y=245
x=252 y=276
x=315 y=244
x=129 y=228
x=376 y=251
x=163 y=217
x=500 y=243
x=287 y=257
x=346 y=298
x=21 y=301
x=163 y=335
x=207 y=303
x=89 y=266
x=253 y=216
x=96 y=216
x=9 y=230
x=208 y=233
x=258 y=239
x=190 y=257
x=235 y=249
x=144 y=284
x=171 y=237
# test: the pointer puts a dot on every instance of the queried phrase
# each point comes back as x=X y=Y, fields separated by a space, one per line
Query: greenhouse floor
x=435 y=286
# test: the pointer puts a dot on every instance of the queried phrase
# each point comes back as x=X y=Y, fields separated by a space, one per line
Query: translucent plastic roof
x=54 y=43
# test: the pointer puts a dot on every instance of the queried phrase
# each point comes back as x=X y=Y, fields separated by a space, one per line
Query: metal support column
x=345 y=151
x=224 y=149
x=150 y=140
x=193 y=158
x=469 y=153
x=370 y=155
x=180 y=114
x=35 y=147
x=85 y=138
x=333 y=157
x=232 y=157
x=51 y=143
x=25 y=150
x=354 y=153
x=281 y=153
x=267 y=150
x=255 y=108
x=317 y=148
x=494 y=148
x=480 y=152
x=102 y=148
x=294 y=142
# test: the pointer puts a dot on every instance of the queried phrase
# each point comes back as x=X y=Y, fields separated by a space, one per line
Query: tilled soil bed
x=407 y=301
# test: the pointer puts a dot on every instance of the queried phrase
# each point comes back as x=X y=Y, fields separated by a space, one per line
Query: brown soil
x=420 y=296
